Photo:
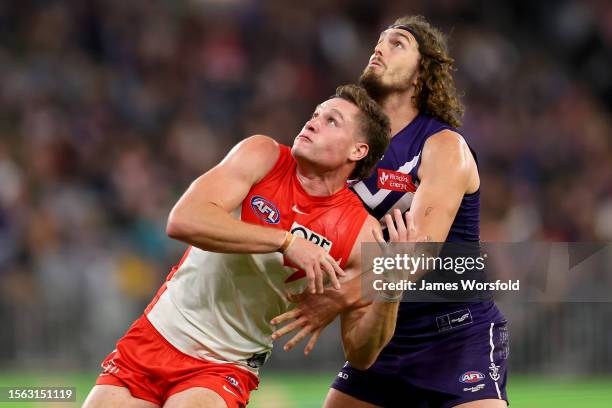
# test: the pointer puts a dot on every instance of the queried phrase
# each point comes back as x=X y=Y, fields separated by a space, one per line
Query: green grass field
x=308 y=391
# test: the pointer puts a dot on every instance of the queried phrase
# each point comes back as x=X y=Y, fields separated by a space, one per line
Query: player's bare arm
x=310 y=316
x=313 y=313
x=447 y=172
x=368 y=328
x=202 y=216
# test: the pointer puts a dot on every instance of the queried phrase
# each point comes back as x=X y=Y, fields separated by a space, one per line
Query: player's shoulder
x=260 y=143
x=254 y=157
x=445 y=145
x=445 y=139
x=262 y=149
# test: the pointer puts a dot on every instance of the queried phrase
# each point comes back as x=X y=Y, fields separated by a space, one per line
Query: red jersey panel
x=279 y=201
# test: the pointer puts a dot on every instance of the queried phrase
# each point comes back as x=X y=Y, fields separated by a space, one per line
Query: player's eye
x=332 y=121
x=397 y=43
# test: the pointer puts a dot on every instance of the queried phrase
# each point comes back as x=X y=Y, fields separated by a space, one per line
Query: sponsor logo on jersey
x=309 y=235
x=230 y=391
x=461 y=319
x=475 y=388
x=110 y=367
x=265 y=210
x=395 y=181
x=452 y=320
x=470 y=377
x=314 y=237
x=297 y=210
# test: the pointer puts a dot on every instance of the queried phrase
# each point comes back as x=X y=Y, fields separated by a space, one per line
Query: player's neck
x=400 y=109
x=321 y=184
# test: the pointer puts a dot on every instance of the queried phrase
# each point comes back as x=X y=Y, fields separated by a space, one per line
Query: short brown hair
x=435 y=91
x=375 y=127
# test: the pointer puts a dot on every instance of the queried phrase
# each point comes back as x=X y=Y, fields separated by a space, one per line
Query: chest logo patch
x=314 y=237
x=309 y=235
x=395 y=181
x=265 y=210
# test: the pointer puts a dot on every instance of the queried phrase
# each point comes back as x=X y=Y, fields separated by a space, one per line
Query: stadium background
x=108 y=109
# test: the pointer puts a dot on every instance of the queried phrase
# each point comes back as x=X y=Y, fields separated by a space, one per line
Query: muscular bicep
x=228 y=183
x=446 y=171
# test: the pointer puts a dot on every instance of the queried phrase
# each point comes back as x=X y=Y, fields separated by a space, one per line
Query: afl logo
x=265 y=210
x=471 y=377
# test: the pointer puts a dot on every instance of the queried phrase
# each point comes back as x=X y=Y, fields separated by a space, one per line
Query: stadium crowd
x=110 y=108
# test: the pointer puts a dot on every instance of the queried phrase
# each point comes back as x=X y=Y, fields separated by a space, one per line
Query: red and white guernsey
x=218 y=306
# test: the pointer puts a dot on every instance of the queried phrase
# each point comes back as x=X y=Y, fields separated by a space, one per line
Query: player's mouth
x=376 y=63
x=304 y=137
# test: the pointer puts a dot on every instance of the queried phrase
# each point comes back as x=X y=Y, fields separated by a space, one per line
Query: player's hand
x=315 y=262
x=312 y=314
x=400 y=230
x=400 y=227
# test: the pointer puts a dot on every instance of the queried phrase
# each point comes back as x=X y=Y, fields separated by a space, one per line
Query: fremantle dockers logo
x=494 y=371
x=265 y=210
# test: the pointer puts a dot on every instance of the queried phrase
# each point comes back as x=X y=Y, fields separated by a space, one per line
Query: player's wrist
x=392 y=296
x=350 y=295
x=287 y=241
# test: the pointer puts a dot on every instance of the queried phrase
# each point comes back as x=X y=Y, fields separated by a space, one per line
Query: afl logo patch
x=471 y=377
x=265 y=210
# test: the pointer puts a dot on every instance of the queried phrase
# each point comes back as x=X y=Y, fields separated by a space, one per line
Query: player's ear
x=359 y=151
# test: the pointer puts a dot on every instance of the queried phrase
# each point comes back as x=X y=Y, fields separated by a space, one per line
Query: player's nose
x=378 y=50
x=311 y=125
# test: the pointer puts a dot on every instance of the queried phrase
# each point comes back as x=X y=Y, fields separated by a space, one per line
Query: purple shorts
x=456 y=355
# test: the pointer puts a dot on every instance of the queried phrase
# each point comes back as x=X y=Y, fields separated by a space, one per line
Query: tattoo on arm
x=428 y=210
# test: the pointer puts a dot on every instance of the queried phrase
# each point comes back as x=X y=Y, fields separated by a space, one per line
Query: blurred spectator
x=110 y=109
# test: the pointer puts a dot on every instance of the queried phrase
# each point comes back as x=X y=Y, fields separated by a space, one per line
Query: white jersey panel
x=218 y=306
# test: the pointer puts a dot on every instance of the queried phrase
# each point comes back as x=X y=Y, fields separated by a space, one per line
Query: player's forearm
x=351 y=294
x=211 y=228
x=370 y=334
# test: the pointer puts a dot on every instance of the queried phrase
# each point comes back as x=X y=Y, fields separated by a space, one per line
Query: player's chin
x=299 y=149
x=371 y=73
x=301 y=143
